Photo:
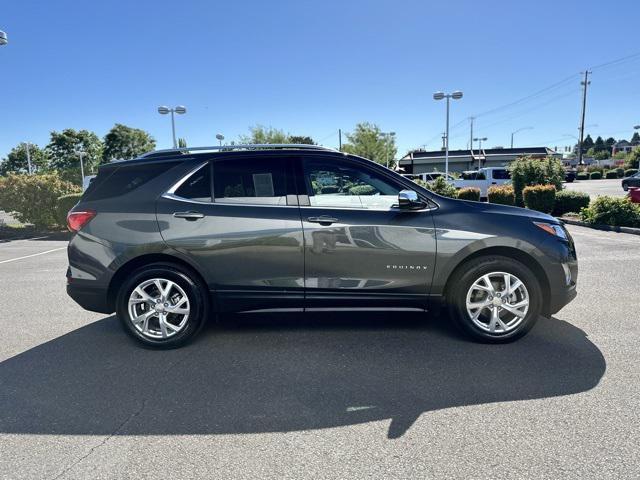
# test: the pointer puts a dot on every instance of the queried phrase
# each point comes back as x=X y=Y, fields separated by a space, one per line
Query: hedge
x=582 y=176
x=630 y=171
x=362 y=190
x=540 y=197
x=595 y=175
x=570 y=201
x=620 y=172
x=442 y=187
x=611 y=174
x=612 y=211
x=64 y=204
x=503 y=195
x=33 y=198
x=534 y=171
x=469 y=193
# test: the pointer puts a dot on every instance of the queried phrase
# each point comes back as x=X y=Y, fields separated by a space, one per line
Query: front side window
x=258 y=181
x=501 y=175
x=340 y=184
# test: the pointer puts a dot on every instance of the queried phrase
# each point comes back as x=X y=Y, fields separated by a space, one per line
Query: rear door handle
x=191 y=216
x=322 y=220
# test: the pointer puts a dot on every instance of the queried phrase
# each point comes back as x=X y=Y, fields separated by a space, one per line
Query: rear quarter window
x=125 y=180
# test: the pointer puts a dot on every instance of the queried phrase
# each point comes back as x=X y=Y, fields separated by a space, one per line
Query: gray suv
x=174 y=237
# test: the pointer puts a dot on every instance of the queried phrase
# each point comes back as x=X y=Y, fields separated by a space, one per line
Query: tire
x=508 y=326
x=178 y=327
x=625 y=187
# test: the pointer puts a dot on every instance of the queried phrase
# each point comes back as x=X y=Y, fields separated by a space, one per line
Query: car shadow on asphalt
x=267 y=373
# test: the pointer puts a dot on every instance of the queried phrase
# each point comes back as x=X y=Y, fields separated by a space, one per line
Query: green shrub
x=469 y=193
x=503 y=195
x=528 y=171
x=442 y=187
x=330 y=189
x=633 y=159
x=64 y=204
x=630 y=171
x=582 y=176
x=540 y=197
x=595 y=175
x=32 y=198
x=362 y=190
x=611 y=174
x=595 y=168
x=620 y=172
x=570 y=201
x=612 y=211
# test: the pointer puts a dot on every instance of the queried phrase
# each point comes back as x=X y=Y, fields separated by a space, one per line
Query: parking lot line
x=32 y=255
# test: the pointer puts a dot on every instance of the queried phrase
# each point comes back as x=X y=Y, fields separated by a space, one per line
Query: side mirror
x=408 y=199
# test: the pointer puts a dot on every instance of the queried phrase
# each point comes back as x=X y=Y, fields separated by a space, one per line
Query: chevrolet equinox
x=173 y=237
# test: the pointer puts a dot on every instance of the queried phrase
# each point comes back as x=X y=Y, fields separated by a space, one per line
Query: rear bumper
x=89 y=298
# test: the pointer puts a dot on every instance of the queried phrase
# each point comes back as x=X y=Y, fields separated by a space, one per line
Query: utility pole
x=340 y=139
x=26 y=146
x=471 y=119
x=585 y=83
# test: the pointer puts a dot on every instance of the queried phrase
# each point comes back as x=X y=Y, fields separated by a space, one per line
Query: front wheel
x=495 y=299
x=625 y=187
x=162 y=306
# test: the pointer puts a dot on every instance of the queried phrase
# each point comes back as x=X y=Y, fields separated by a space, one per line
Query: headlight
x=553 y=229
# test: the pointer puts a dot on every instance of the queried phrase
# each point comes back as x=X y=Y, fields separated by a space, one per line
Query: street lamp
x=480 y=140
x=456 y=95
x=220 y=138
x=519 y=130
x=388 y=136
x=3 y=38
x=179 y=110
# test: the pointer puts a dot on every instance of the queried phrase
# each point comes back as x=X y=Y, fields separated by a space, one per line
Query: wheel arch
x=525 y=258
x=133 y=264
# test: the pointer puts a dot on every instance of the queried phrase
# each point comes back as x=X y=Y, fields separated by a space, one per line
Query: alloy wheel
x=158 y=308
x=497 y=302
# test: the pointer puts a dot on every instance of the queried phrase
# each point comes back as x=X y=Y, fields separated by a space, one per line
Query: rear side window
x=261 y=181
x=126 y=179
x=198 y=186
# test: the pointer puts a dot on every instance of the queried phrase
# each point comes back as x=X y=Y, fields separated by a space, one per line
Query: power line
x=617 y=61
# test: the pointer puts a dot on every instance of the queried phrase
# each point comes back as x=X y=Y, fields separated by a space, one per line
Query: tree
x=64 y=146
x=301 y=140
x=587 y=143
x=367 y=141
x=16 y=160
x=635 y=140
x=610 y=142
x=265 y=135
x=124 y=142
x=182 y=143
x=599 y=146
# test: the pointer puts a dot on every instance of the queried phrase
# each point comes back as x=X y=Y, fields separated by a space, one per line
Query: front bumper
x=557 y=300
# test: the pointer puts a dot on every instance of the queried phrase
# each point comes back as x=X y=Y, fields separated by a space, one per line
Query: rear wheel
x=162 y=305
x=495 y=299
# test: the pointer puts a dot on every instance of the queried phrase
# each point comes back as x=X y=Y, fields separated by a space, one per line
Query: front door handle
x=191 y=216
x=322 y=220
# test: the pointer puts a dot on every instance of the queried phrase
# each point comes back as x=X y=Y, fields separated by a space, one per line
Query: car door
x=237 y=219
x=360 y=249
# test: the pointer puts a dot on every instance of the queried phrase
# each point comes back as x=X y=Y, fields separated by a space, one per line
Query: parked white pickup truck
x=483 y=179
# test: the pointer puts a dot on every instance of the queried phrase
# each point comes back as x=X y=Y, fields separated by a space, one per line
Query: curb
x=606 y=228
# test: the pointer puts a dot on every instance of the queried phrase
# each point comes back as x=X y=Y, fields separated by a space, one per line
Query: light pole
x=387 y=136
x=3 y=38
x=220 y=138
x=179 y=110
x=80 y=154
x=519 y=130
x=480 y=140
x=26 y=148
x=456 y=95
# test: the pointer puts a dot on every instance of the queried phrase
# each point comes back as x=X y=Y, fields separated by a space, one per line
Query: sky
x=313 y=67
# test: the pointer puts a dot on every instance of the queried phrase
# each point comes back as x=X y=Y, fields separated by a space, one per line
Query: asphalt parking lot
x=372 y=396
x=596 y=188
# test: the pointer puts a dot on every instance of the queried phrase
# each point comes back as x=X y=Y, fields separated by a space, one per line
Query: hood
x=508 y=210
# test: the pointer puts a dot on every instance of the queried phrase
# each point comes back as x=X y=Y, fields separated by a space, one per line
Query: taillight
x=77 y=220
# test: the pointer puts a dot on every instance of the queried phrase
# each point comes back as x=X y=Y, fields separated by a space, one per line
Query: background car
x=632 y=181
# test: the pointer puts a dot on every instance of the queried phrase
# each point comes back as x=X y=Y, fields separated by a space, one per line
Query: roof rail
x=249 y=146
